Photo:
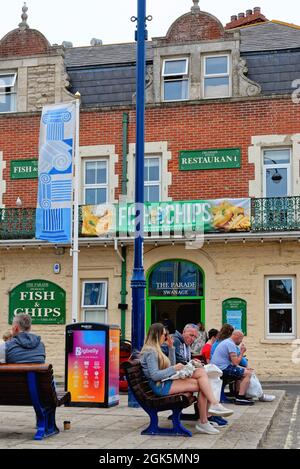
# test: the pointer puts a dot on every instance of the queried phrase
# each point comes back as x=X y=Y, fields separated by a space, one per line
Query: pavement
x=120 y=428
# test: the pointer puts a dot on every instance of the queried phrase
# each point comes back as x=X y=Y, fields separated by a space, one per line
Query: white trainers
x=219 y=409
x=267 y=398
x=206 y=428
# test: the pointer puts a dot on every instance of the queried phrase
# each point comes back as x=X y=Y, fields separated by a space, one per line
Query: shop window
x=152 y=186
x=95 y=181
x=175 y=79
x=7 y=92
x=280 y=307
x=216 y=76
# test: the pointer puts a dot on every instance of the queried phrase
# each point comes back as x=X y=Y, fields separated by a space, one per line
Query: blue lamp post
x=138 y=282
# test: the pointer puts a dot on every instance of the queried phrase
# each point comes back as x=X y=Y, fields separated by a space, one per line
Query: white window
x=94 y=301
x=277 y=172
x=7 y=92
x=152 y=187
x=216 y=76
x=95 y=182
x=175 y=79
x=280 y=307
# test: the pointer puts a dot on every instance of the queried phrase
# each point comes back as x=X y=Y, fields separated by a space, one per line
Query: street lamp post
x=138 y=282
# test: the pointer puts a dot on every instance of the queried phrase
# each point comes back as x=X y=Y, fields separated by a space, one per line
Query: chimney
x=251 y=17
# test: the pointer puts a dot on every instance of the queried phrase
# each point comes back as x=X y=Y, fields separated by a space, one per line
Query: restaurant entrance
x=175 y=294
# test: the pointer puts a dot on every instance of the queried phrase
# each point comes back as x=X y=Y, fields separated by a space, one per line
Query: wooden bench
x=152 y=404
x=31 y=384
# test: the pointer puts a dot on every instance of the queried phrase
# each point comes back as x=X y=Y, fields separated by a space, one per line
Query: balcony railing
x=275 y=214
x=267 y=215
x=17 y=223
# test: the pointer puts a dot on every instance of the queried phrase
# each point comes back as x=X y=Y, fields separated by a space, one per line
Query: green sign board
x=223 y=158
x=234 y=312
x=44 y=301
x=24 y=169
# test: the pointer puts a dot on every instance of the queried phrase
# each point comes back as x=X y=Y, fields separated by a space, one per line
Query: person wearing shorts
x=228 y=360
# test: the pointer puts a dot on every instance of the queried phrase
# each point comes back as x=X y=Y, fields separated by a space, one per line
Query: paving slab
x=120 y=428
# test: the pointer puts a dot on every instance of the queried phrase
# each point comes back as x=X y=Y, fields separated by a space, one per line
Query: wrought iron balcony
x=275 y=214
x=17 y=223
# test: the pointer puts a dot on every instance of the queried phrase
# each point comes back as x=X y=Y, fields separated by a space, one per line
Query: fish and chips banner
x=179 y=217
x=56 y=147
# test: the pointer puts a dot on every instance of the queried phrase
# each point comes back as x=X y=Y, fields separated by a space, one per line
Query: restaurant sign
x=24 y=169
x=200 y=216
x=44 y=301
x=224 y=158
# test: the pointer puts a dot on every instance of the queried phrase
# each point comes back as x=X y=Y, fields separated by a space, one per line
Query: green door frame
x=149 y=299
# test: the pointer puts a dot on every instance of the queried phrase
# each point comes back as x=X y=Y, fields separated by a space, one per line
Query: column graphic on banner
x=54 y=205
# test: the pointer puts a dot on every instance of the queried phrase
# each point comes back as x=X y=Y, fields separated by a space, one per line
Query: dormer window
x=7 y=92
x=216 y=76
x=175 y=79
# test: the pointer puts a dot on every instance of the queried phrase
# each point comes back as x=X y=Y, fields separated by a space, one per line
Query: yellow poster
x=97 y=220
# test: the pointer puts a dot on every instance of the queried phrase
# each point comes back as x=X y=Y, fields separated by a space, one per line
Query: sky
x=78 y=21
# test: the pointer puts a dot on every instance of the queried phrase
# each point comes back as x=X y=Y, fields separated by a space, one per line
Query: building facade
x=222 y=131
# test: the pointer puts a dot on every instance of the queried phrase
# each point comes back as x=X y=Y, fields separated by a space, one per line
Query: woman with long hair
x=158 y=369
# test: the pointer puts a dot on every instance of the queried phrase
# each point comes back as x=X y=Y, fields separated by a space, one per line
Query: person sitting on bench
x=23 y=347
x=159 y=369
x=226 y=358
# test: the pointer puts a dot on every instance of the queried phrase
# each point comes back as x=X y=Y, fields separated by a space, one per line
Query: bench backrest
x=14 y=388
x=137 y=381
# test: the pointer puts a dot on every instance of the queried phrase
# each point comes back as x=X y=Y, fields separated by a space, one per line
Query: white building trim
x=158 y=149
x=2 y=181
x=255 y=156
x=96 y=152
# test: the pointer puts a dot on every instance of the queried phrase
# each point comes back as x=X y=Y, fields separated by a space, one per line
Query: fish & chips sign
x=44 y=301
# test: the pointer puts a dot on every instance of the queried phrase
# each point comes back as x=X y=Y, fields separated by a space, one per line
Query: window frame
x=172 y=77
x=96 y=310
x=291 y=306
x=95 y=186
x=12 y=92
x=155 y=183
x=94 y=307
x=218 y=75
x=287 y=166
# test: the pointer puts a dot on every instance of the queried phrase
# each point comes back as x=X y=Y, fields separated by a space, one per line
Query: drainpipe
x=123 y=305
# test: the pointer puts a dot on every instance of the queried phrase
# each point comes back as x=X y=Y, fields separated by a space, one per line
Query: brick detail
x=200 y=126
x=22 y=43
x=195 y=27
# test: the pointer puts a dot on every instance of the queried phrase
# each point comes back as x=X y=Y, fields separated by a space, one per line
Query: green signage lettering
x=223 y=158
x=44 y=301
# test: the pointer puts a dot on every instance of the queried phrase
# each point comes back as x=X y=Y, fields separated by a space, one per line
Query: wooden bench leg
x=45 y=418
x=176 y=430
